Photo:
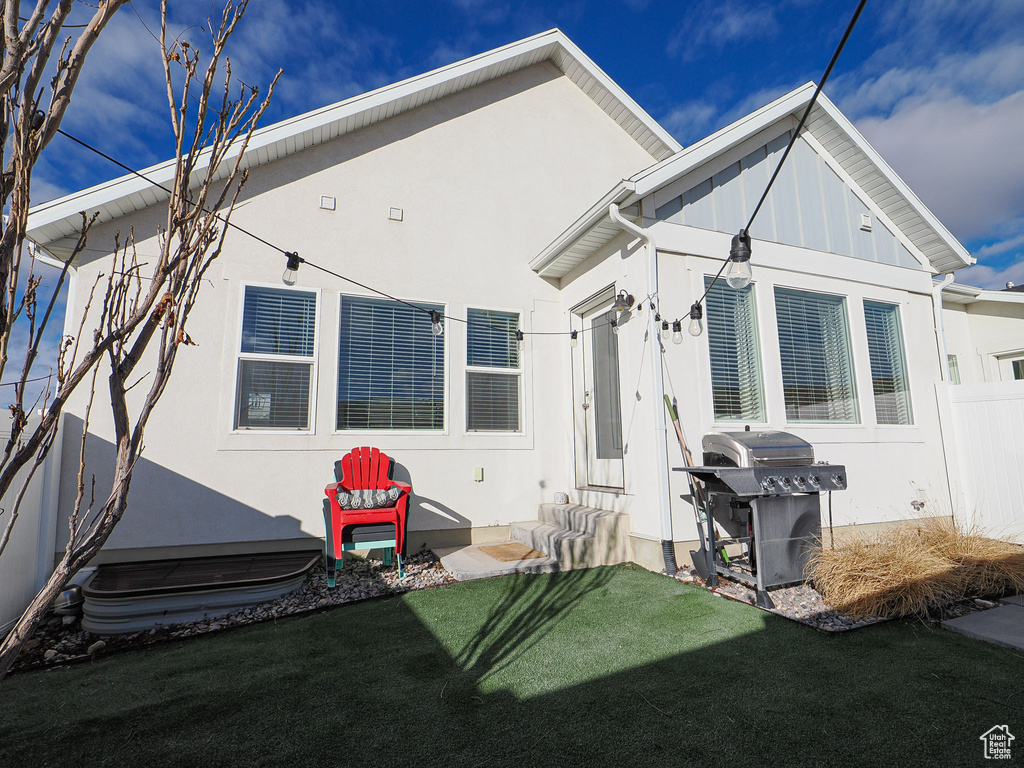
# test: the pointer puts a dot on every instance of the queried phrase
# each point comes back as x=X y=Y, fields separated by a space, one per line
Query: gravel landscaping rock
x=801 y=603
x=60 y=639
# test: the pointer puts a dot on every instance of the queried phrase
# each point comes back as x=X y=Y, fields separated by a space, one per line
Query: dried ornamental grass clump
x=914 y=569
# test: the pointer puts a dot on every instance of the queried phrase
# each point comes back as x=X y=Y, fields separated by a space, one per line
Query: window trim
x=262 y=356
x=518 y=372
x=446 y=390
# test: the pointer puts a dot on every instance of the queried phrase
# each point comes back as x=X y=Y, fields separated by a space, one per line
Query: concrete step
x=572 y=549
x=609 y=529
x=469 y=562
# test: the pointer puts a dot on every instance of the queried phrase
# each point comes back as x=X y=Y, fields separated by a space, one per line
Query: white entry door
x=597 y=394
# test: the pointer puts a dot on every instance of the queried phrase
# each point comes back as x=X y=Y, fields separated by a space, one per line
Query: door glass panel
x=607 y=413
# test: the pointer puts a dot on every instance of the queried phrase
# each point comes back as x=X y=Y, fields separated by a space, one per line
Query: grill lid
x=761 y=448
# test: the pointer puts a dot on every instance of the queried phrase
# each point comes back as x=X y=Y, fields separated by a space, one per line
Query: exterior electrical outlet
x=478 y=474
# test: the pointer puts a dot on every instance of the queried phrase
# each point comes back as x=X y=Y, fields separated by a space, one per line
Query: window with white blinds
x=817 y=365
x=888 y=363
x=390 y=366
x=493 y=371
x=276 y=359
x=736 y=383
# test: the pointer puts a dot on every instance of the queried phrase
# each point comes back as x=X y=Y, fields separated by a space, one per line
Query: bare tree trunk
x=131 y=321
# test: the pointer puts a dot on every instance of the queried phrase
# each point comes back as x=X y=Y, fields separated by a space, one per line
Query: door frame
x=597 y=302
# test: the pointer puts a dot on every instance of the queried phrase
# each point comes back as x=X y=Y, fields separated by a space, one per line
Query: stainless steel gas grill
x=761 y=488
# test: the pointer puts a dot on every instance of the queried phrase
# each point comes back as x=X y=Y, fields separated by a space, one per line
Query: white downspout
x=940 y=332
x=658 y=385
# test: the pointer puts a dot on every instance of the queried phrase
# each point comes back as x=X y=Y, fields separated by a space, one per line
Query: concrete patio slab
x=469 y=562
x=1000 y=626
x=1013 y=600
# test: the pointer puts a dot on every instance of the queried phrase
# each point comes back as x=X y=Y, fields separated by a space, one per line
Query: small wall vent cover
x=395 y=214
x=865 y=222
x=328 y=203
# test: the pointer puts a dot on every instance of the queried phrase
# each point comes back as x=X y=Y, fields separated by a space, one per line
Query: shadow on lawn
x=527 y=611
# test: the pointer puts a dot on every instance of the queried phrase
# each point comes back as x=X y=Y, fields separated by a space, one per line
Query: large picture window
x=390 y=366
x=276 y=359
x=888 y=363
x=493 y=371
x=817 y=367
x=736 y=384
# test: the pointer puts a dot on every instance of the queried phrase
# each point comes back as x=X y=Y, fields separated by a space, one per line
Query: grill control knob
x=784 y=483
x=768 y=483
x=838 y=479
x=800 y=482
x=815 y=480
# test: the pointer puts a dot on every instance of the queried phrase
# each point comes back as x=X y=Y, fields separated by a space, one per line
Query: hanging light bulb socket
x=615 y=325
x=696 y=326
x=574 y=339
x=665 y=332
x=677 y=331
x=623 y=301
x=738 y=275
x=520 y=336
x=291 y=270
x=437 y=326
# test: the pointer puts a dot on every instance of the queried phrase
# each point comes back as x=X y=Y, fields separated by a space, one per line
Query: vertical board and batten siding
x=988 y=436
x=27 y=561
x=809 y=205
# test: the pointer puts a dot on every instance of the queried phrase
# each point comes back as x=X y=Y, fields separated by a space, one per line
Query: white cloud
x=718 y=22
x=689 y=122
x=965 y=160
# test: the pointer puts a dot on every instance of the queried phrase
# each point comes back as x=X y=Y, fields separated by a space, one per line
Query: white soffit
x=958 y=293
x=60 y=219
x=830 y=128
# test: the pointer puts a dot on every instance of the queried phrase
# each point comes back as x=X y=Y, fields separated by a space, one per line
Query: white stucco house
x=486 y=191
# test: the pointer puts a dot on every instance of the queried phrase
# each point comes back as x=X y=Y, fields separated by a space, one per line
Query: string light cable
x=739 y=254
x=293 y=260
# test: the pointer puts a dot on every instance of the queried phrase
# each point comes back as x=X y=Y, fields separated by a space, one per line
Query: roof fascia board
x=901 y=186
x=958 y=293
x=618 y=194
x=612 y=87
x=722 y=140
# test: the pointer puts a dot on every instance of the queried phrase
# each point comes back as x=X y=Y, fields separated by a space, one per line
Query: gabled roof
x=828 y=126
x=59 y=219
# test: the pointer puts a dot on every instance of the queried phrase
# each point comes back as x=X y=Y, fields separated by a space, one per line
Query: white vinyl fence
x=28 y=559
x=985 y=451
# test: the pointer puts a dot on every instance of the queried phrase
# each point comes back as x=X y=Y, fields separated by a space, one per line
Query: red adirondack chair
x=379 y=528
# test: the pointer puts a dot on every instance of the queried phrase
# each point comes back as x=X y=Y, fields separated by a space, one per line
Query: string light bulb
x=615 y=326
x=665 y=332
x=575 y=339
x=291 y=270
x=437 y=326
x=520 y=338
x=677 y=331
x=696 y=326
x=738 y=275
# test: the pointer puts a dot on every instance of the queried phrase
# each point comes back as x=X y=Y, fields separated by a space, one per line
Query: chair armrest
x=333 y=488
x=404 y=486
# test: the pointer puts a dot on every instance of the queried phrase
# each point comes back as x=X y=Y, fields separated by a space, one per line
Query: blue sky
x=937 y=86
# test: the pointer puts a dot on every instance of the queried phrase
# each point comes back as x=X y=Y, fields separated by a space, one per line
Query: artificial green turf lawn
x=612 y=666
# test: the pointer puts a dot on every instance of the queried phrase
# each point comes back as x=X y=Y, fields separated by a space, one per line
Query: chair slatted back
x=366 y=468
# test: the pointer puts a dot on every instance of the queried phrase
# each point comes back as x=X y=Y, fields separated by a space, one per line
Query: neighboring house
x=482 y=190
x=984 y=333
